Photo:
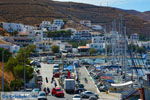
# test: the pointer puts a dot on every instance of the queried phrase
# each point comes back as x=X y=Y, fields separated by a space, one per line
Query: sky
x=139 y=5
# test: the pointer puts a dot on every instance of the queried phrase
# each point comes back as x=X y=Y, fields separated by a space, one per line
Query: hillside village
x=47 y=34
x=51 y=54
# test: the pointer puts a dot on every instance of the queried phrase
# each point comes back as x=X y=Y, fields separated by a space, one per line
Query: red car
x=58 y=92
x=56 y=75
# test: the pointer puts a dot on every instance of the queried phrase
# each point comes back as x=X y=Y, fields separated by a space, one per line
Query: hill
x=143 y=15
x=34 y=11
x=8 y=76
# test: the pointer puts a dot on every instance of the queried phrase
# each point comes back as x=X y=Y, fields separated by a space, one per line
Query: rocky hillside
x=144 y=15
x=35 y=11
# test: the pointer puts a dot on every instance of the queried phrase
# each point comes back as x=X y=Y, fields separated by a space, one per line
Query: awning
x=122 y=84
x=106 y=77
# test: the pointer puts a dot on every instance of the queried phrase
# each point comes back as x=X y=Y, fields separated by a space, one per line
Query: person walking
x=44 y=89
x=48 y=90
x=55 y=83
x=46 y=80
x=52 y=80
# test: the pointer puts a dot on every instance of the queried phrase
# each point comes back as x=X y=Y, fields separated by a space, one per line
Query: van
x=69 y=85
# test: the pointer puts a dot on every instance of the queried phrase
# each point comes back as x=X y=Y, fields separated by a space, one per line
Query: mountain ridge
x=34 y=11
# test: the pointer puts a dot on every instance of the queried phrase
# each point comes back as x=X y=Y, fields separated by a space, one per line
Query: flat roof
x=83 y=47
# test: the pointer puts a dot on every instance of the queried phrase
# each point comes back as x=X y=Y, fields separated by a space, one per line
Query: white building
x=98 y=39
x=134 y=37
x=98 y=43
x=37 y=35
x=58 y=22
x=86 y=23
x=44 y=45
x=54 y=27
x=45 y=24
x=65 y=47
x=12 y=27
x=97 y=27
x=82 y=35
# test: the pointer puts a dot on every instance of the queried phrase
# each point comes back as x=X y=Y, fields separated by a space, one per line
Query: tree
x=16 y=85
x=61 y=33
x=12 y=62
x=92 y=51
x=5 y=53
x=55 y=49
x=19 y=70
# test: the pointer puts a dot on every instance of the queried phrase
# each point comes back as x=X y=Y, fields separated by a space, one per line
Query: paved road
x=91 y=86
x=47 y=71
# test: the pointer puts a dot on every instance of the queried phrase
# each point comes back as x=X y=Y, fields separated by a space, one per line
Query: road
x=47 y=71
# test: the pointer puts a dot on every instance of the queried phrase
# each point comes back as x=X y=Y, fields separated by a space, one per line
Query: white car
x=76 y=97
x=42 y=95
x=35 y=92
x=87 y=94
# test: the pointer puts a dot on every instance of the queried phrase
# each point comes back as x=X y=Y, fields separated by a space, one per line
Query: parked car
x=42 y=95
x=56 y=75
x=35 y=91
x=56 y=66
x=58 y=92
x=39 y=78
x=81 y=86
x=92 y=98
x=76 y=97
x=80 y=90
x=87 y=94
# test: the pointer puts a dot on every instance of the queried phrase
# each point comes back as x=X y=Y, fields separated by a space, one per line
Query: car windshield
x=77 y=96
x=89 y=93
x=42 y=94
x=58 y=90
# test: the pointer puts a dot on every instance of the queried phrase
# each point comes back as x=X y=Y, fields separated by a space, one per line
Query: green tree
x=92 y=51
x=61 y=33
x=12 y=62
x=16 y=85
x=5 y=53
x=55 y=49
x=19 y=70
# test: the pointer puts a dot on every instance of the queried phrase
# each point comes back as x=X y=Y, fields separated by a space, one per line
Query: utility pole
x=24 y=75
x=3 y=70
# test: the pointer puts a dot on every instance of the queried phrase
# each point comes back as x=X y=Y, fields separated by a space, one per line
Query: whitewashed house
x=53 y=27
x=12 y=27
x=58 y=22
x=134 y=37
x=65 y=47
x=37 y=35
x=45 y=24
x=98 y=43
x=97 y=27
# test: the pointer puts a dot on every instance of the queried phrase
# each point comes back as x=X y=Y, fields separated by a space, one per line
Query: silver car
x=87 y=94
x=42 y=95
